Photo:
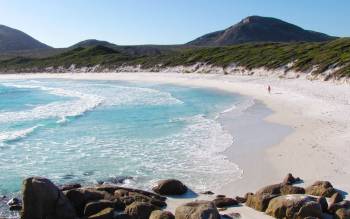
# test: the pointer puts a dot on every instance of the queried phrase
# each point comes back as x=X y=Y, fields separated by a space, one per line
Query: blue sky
x=61 y=23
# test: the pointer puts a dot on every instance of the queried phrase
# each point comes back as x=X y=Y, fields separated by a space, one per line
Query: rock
x=15 y=208
x=220 y=196
x=342 y=213
x=320 y=188
x=42 y=199
x=335 y=198
x=294 y=206
x=290 y=179
x=13 y=201
x=112 y=189
x=274 y=189
x=130 y=197
x=323 y=203
x=222 y=209
x=107 y=213
x=81 y=196
x=170 y=187
x=197 y=210
x=288 y=189
x=335 y=206
x=231 y=215
x=140 y=210
x=224 y=202
x=259 y=202
x=241 y=199
x=92 y=208
x=158 y=214
x=70 y=186
x=207 y=193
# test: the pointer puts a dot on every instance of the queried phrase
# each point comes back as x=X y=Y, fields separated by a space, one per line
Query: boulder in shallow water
x=294 y=206
x=42 y=199
x=158 y=214
x=197 y=210
x=170 y=187
x=320 y=188
x=140 y=210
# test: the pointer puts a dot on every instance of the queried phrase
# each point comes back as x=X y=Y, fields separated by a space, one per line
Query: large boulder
x=140 y=210
x=158 y=214
x=81 y=196
x=294 y=206
x=259 y=201
x=42 y=199
x=320 y=188
x=197 y=210
x=342 y=213
x=170 y=187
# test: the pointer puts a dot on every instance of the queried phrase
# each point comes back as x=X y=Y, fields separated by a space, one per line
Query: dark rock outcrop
x=288 y=189
x=197 y=210
x=170 y=187
x=42 y=199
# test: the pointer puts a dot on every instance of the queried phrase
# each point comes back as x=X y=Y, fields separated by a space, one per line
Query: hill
x=260 y=29
x=15 y=40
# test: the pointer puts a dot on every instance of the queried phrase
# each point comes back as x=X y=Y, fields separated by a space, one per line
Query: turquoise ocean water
x=93 y=131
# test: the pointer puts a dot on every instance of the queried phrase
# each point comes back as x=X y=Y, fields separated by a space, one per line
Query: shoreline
x=319 y=113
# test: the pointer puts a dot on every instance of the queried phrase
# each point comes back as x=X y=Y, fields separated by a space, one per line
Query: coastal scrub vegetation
x=303 y=55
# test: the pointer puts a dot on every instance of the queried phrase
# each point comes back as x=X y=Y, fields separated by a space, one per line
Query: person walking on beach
x=269 y=89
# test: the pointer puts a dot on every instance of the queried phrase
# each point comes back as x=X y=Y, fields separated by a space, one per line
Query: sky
x=62 y=23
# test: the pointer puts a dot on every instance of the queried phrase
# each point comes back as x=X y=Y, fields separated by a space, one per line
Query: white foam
x=59 y=110
x=16 y=135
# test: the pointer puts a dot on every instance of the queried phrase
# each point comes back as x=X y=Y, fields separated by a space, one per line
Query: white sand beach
x=318 y=147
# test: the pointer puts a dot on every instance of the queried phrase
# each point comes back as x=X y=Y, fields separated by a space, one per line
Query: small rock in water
x=220 y=196
x=13 y=201
x=207 y=193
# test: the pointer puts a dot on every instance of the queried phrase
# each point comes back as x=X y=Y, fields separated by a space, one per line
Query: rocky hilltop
x=260 y=29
